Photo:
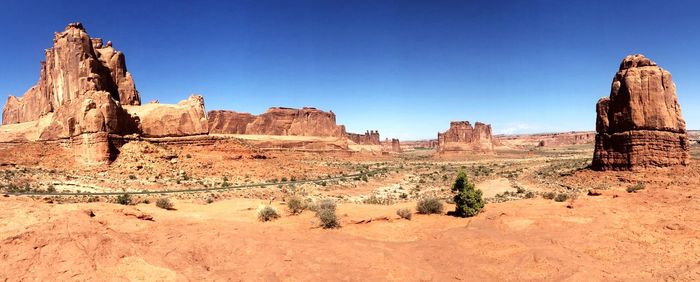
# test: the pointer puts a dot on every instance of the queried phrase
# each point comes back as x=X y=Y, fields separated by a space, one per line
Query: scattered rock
x=594 y=192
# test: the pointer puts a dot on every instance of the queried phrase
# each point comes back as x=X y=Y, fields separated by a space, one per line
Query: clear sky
x=405 y=68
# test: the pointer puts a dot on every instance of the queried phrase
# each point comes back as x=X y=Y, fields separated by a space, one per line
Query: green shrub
x=468 y=200
x=124 y=199
x=296 y=205
x=164 y=203
x=328 y=218
x=323 y=204
x=636 y=187
x=561 y=197
x=224 y=183
x=549 y=195
x=325 y=211
x=404 y=213
x=267 y=213
x=429 y=206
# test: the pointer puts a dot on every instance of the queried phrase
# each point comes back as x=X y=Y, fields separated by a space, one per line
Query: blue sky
x=406 y=68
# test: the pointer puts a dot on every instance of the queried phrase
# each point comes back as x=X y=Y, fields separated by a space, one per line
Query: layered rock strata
x=640 y=125
x=306 y=121
x=80 y=98
x=371 y=137
x=462 y=137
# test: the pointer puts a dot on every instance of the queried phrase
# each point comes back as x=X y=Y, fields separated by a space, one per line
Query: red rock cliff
x=462 y=137
x=640 y=124
x=277 y=121
x=371 y=137
x=75 y=67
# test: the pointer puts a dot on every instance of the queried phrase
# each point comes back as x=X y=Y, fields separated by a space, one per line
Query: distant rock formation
x=526 y=141
x=371 y=137
x=393 y=145
x=276 y=121
x=228 y=122
x=462 y=137
x=166 y=120
x=640 y=124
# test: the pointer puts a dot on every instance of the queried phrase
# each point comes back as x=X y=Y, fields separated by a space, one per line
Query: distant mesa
x=306 y=121
x=640 y=125
x=393 y=145
x=371 y=137
x=462 y=137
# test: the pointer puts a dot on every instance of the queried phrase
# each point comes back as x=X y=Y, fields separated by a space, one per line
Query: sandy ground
x=653 y=234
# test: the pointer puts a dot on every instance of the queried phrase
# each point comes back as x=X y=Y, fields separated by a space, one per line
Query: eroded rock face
x=393 y=146
x=277 y=121
x=167 y=120
x=228 y=122
x=75 y=67
x=82 y=84
x=462 y=137
x=371 y=137
x=640 y=124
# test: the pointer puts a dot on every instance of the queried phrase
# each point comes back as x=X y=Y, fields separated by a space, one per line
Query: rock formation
x=640 y=124
x=371 y=137
x=75 y=66
x=393 y=145
x=277 y=121
x=86 y=101
x=165 y=120
x=81 y=96
x=228 y=122
x=462 y=137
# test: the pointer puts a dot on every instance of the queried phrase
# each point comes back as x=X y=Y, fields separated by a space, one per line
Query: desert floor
x=598 y=231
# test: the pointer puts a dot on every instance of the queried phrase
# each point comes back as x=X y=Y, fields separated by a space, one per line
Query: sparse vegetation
x=561 y=197
x=210 y=199
x=296 y=205
x=124 y=199
x=636 y=187
x=404 y=213
x=429 y=205
x=267 y=213
x=468 y=200
x=164 y=203
x=325 y=212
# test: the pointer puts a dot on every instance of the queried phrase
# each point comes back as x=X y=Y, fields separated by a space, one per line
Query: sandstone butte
x=87 y=100
x=276 y=121
x=640 y=125
x=371 y=137
x=461 y=137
